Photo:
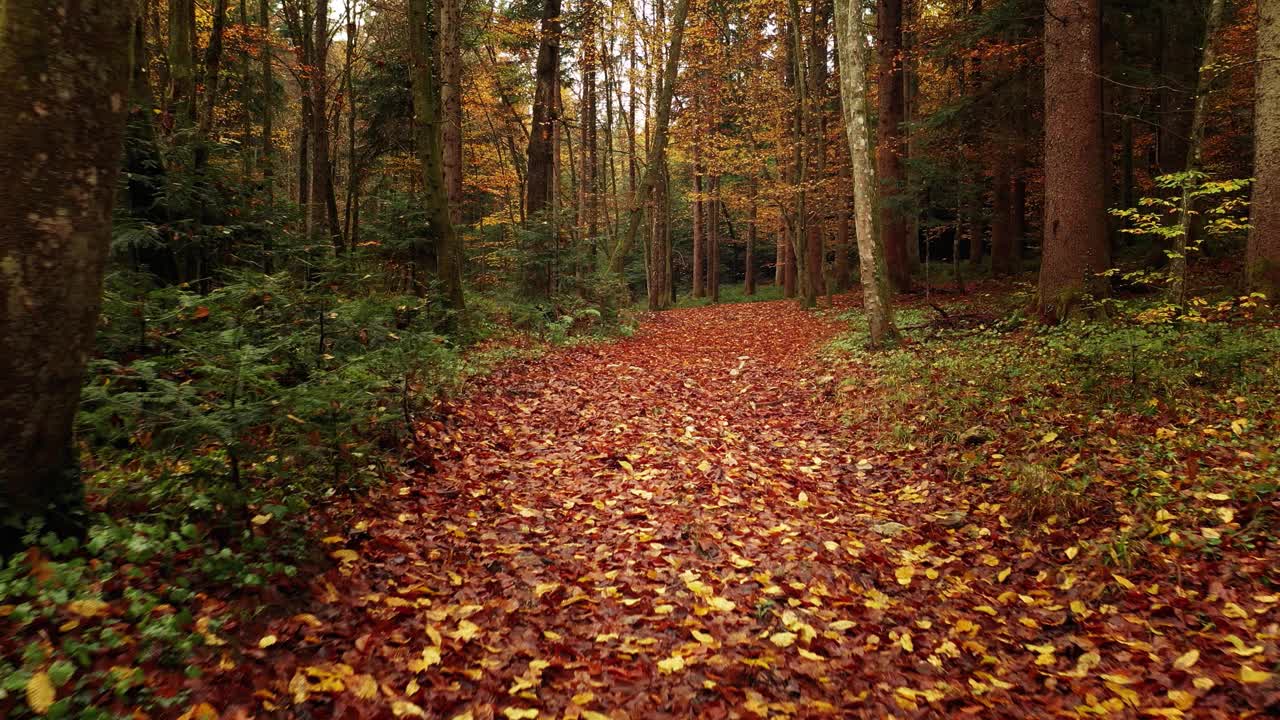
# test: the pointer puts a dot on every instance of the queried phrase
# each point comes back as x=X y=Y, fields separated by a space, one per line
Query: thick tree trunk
x=212 y=77
x=268 y=91
x=658 y=150
x=850 y=42
x=1002 y=251
x=181 y=99
x=893 y=227
x=1076 y=248
x=541 y=147
x=64 y=79
x=428 y=141
x=323 y=205
x=1262 y=256
x=450 y=14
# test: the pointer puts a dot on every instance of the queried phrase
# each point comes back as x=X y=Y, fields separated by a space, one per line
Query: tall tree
x=64 y=77
x=1262 y=256
x=428 y=141
x=889 y=141
x=851 y=46
x=450 y=13
x=323 y=202
x=658 y=148
x=546 y=90
x=1076 y=248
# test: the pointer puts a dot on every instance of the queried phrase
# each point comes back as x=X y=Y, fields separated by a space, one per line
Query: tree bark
x=182 y=62
x=699 y=230
x=893 y=227
x=64 y=81
x=1262 y=255
x=1076 y=248
x=876 y=298
x=450 y=14
x=428 y=141
x=749 y=273
x=541 y=147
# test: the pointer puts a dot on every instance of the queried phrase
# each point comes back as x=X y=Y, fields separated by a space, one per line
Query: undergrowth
x=1158 y=421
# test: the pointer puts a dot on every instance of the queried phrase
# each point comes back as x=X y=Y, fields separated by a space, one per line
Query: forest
x=619 y=359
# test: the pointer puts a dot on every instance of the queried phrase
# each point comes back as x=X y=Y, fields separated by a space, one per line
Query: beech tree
x=64 y=80
x=851 y=46
x=1262 y=255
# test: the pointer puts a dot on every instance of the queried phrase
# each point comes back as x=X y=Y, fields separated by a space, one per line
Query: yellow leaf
x=593 y=715
x=1123 y=581
x=364 y=687
x=520 y=713
x=88 y=608
x=702 y=637
x=466 y=630
x=345 y=555
x=782 y=639
x=543 y=588
x=1202 y=683
x=430 y=656
x=1049 y=437
x=267 y=641
x=1072 y=552
x=1004 y=574
x=905 y=641
x=663 y=609
x=464 y=716
x=261 y=519
x=1187 y=660
x=1241 y=649
x=704 y=466
x=1181 y=699
x=1239 y=425
x=203 y=711
x=722 y=604
x=1233 y=610
x=584 y=697
x=675 y=663
x=1078 y=608
x=1247 y=675
x=904 y=573
x=40 y=693
x=807 y=655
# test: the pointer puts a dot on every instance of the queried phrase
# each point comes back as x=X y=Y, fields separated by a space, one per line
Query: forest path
x=662 y=526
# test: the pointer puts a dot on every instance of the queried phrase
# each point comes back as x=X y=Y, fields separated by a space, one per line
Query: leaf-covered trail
x=672 y=526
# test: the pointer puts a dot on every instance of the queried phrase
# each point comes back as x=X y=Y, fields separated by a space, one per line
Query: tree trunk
x=69 y=61
x=1208 y=61
x=1262 y=256
x=268 y=90
x=541 y=147
x=713 y=241
x=182 y=62
x=1002 y=255
x=1075 y=233
x=212 y=76
x=450 y=14
x=893 y=227
x=428 y=142
x=699 y=230
x=749 y=273
x=658 y=150
x=850 y=42
x=323 y=205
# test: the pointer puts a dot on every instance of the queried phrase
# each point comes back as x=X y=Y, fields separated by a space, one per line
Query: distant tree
x=428 y=140
x=64 y=81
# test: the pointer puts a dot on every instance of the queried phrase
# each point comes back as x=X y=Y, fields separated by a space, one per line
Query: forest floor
x=686 y=523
